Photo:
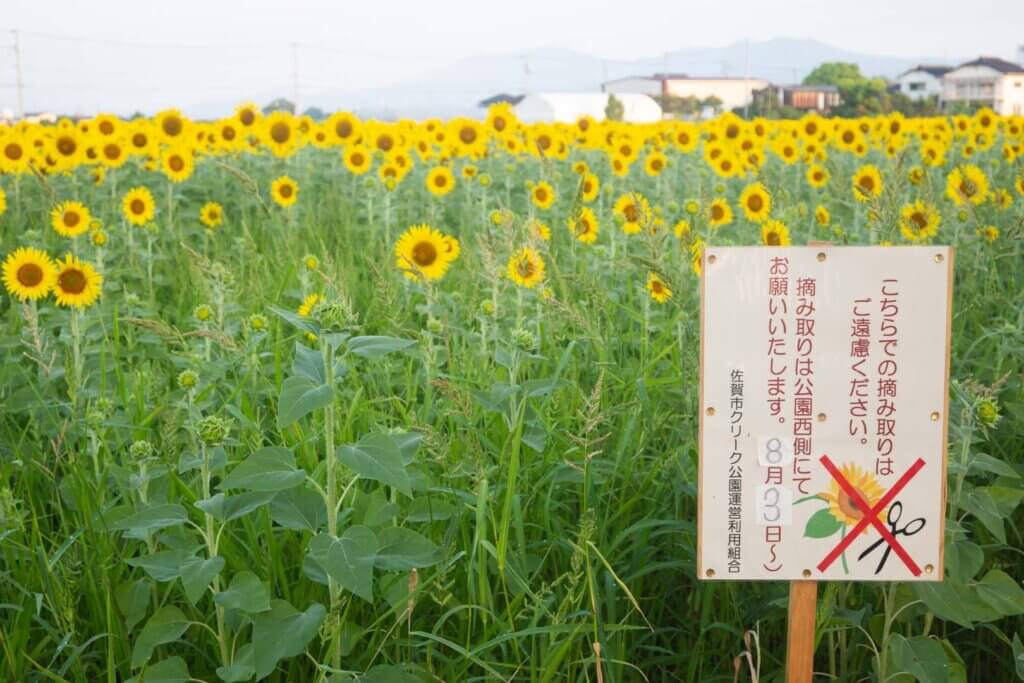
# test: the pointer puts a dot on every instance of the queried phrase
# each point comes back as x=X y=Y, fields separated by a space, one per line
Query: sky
x=128 y=55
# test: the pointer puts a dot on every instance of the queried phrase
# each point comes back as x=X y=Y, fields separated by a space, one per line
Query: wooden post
x=803 y=605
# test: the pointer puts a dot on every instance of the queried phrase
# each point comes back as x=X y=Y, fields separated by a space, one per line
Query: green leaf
x=348 y=559
x=133 y=600
x=401 y=549
x=309 y=363
x=822 y=524
x=226 y=508
x=301 y=509
x=987 y=463
x=921 y=657
x=375 y=346
x=1002 y=593
x=246 y=593
x=408 y=444
x=388 y=673
x=198 y=573
x=963 y=560
x=236 y=673
x=295 y=319
x=164 y=565
x=948 y=600
x=165 y=626
x=173 y=670
x=377 y=457
x=429 y=509
x=152 y=517
x=282 y=632
x=980 y=504
x=1018 y=656
x=299 y=397
x=271 y=468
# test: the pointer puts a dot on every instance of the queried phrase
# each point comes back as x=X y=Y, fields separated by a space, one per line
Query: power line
x=17 y=73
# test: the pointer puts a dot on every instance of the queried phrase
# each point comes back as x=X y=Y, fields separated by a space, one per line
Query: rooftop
x=1000 y=65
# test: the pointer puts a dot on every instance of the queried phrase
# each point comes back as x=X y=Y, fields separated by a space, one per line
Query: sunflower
x=16 y=155
x=655 y=163
x=775 y=234
x=756 y=202
x=440 y=181
x=719 y=213
x=308 y=304
x=919 y=222
x=526 y=268
x=634 y=212
x=452 y=248
x=841 y=506
x=867 y=183
x=660 y=291
x=113 y=153
x=138 y=206
x=967 y=183
x=1019 y=185
x=697 y=257
x=70 y=219
x=3 y=202
x=285 y=191
x=422 y=251
x=590 y=186
x=817 y=176
x=211 y=215
x=542 y=195
x=539 y=229
x=357 y=159
x=172 y=126
x=584 y=225
x=178 y=164
x=989 y=233
x=248 y=115
x=77 y=284
x=28 y=273
x=822 y=216
x=681 y=229
x=279 y=133
x=343 y=126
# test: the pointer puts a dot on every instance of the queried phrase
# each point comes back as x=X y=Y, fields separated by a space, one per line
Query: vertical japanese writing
x=803 y=383
x=860 y=351
x=778 y=364
x=734 y=545
x=885 y=410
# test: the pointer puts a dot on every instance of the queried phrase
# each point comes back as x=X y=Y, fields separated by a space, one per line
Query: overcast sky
x=127 y=54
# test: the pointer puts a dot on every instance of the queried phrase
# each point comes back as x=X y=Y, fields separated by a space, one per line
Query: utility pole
x=18 y=78
x=295 y=76
x=749 y=94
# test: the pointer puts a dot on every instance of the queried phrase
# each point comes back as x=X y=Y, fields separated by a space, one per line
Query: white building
x=731 y=92
x=562 y=107
x=923 y=81
x=986 y=81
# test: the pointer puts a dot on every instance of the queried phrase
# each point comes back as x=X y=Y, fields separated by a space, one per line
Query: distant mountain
x=455 y=89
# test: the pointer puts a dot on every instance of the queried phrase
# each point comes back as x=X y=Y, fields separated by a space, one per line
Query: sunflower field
x=345 y=400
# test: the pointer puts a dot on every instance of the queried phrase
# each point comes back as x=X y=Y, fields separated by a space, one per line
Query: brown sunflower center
x=819 y=176
x=385 y=143
x=772 y=239
x=176 y=163
x=717 y=212
x=968 y=188
x=172 y=126
x=280 y=132
x=106 y=127
x=866 y=183
x=848 y=137
x=631 y=213
x=112 y=152
x=285 y=191
x=541 y=194
x=525 y=267
x=358 y=159
x=343 y=129
x=732 y=130
x=919 y=219
x=657 y=287
x=755 y=202
x=140 y=140
x=228 y=133
x=468 y=135
x=247 y=116
x=440 y=180
x=499 y=124
x=71 y=218
x=13 y=151
x=656 y=164
x=424 y=254
x=66 y=146
x=137 y=206
x=30 y=275
x=72 y=281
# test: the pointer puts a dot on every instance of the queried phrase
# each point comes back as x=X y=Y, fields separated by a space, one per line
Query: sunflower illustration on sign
x=842 y=511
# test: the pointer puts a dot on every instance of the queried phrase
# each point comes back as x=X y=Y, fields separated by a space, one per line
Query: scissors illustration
x=892 y=518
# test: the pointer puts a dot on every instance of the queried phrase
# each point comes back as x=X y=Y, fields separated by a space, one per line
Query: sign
x=824 y=393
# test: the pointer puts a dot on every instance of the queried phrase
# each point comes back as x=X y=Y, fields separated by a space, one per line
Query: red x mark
x=870 y=515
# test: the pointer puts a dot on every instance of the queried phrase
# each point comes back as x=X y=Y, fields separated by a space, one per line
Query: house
x=563 y=107
x=805 y=97
x=986 y=81
x=499 y=99
x=922 y=82
x=730 y=92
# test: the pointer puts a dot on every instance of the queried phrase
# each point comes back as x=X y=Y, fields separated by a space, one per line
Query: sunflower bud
x=140 y=450
x=213 y=430
x=187 y=380
x=524 y=339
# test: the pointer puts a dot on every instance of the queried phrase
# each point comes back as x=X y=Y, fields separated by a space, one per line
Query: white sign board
x=824 y=393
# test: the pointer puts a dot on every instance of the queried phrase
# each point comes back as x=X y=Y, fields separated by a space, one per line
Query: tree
x=315 y=113
x=860 y=95
x=280 y=104
x=678 y=107
x=614 y=110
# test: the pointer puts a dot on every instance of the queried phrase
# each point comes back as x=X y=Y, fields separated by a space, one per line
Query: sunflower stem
x=76 y=358
x=211 y=546
x=330 y=498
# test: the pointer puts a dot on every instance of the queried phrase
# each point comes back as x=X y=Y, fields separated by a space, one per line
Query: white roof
x=568 y=107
